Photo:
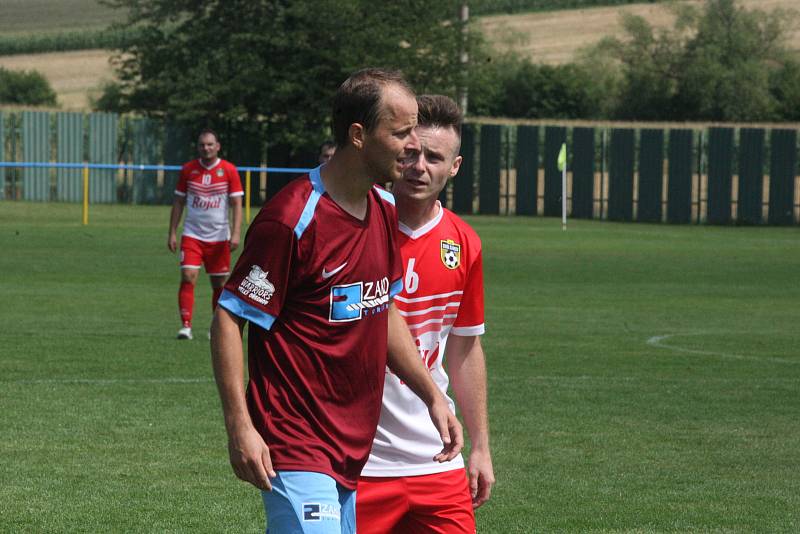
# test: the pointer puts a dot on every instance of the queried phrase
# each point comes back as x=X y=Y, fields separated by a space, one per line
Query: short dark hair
x=358 y=100
x=326 y=145
x=441 y=111
x=208 y=131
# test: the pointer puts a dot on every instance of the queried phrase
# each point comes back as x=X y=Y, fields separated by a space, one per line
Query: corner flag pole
x=562 y=166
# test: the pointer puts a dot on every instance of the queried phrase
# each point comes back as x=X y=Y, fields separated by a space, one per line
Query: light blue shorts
x=303 y=502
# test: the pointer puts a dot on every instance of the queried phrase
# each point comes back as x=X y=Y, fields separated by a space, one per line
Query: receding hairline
x=401 y=89
x=212 y=134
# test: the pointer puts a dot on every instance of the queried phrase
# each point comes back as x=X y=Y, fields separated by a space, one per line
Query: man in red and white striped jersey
x=206 y=187
x=402 y=489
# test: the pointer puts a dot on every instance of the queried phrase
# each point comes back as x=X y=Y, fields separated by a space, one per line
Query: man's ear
x=456 y=165
x=356 y=135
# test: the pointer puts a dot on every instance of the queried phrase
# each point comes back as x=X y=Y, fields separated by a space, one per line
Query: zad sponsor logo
x=351 y=302
x=256 y=286
x=313 y=511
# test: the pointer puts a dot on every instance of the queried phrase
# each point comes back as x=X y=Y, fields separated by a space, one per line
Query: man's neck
x=208 y=163
x=416 y=214
x=347 y=182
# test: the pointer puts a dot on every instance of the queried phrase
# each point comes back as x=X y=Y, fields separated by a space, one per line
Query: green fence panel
x=69 y=149
x=245 y=147
x=583 y=173
x=489 y=184
x=463 y=186
x=179 y=147
x=679 y=187
x=278 y=155
x=620 y=176
x=2 y=157
x=145 y=145
x=651 y=175
x=751 y=175
x=103 y=149
x=36 y=148
x=720 y=172
x=527 y=159
x=554 y=137
x=782 y=170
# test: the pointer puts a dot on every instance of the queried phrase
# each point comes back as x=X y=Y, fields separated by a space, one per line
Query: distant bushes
x=513 y=87
x=37 y=43
x=27 y=87
x=494 y=7
x=718 y=62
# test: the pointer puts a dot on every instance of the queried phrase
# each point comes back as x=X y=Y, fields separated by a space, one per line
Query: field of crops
x=30 y=16
x=643 y=378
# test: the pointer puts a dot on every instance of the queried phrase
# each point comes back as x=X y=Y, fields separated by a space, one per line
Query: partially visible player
x=315 y=281
x=207 y=186
x=326 y=151
x=401 y=489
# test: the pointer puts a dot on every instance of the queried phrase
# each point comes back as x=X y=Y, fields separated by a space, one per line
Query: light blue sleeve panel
x=385 y=195
x=240 y=308
x=395 y=288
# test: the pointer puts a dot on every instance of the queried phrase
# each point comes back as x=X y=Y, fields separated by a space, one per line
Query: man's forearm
x=227 y=361
x=175 y=214
x=237 y=216
x=467 y=371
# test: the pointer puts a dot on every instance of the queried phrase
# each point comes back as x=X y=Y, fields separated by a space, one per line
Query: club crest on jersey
x=206 y=179
x=451 y=254
x=256 y=286
x=220 y=172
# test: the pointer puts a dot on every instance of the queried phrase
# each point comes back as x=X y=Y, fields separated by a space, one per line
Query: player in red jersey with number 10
x=402 y=489
x=206 y=187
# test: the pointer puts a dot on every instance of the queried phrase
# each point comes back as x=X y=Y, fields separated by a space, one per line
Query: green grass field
x=642 y=379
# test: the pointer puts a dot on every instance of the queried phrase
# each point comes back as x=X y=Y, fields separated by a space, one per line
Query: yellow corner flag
x=562 y=157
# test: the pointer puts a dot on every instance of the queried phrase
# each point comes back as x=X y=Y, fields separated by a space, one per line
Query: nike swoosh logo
x=328 y=274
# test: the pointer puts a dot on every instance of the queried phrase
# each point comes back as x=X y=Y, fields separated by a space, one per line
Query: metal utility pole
x=463 y=58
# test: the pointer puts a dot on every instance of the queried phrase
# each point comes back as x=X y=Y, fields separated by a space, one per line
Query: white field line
x=658 y=341
x=108 y=381
x=593 y=380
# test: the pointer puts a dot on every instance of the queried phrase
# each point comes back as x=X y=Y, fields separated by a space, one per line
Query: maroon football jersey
x=315 y=284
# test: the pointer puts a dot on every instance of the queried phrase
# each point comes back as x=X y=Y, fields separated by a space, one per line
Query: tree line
x=269 y=67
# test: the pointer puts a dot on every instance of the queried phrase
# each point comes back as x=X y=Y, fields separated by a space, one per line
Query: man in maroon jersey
x=205 y=186
x=401 y=489
x=316 y=278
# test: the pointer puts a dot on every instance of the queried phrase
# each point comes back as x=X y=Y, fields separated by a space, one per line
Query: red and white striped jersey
x=442 y=295
x=207 y=190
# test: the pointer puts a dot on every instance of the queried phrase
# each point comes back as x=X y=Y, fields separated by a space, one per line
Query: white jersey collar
x=425 y=228
x=216 y=162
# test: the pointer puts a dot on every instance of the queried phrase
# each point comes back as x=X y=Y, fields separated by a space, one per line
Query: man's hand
x=250 y=458
x=234 y=242
x=481 y=476
x=172 y=242
x=449 y=428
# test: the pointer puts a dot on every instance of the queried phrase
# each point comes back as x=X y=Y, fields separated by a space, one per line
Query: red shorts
x=438 y=503
x=215 y=256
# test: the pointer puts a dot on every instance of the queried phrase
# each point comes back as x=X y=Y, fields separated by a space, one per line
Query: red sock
x=186 y=302
x=215 y=297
